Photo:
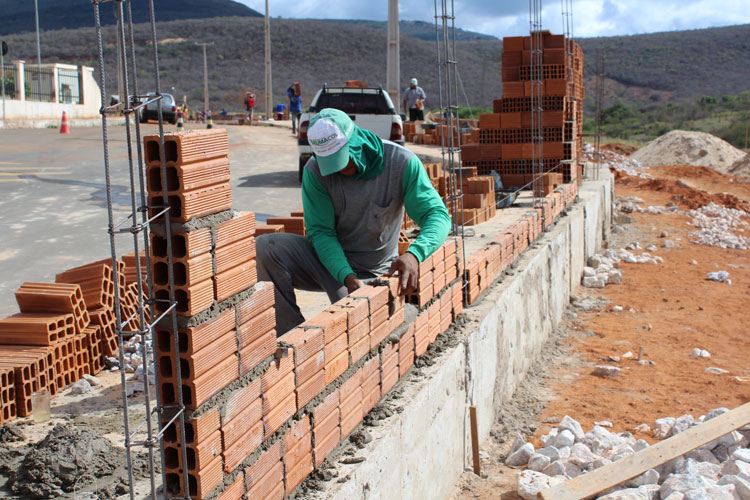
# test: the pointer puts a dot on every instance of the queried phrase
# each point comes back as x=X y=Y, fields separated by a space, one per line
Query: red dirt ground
x=677 y=309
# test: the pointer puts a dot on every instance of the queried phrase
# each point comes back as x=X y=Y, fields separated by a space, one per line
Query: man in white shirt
x=413 y=98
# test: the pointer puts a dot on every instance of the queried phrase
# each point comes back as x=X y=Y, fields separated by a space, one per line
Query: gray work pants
x=289 y=261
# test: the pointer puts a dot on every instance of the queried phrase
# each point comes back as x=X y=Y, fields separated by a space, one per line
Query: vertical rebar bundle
x=148 y=432
x=537 y=92
x=450 y=143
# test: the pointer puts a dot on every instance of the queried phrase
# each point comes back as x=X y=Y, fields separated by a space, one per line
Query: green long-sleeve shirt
x=421 y=201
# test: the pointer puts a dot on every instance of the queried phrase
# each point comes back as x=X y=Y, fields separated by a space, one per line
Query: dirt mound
x=67 y=459
x=619 y=148
x=689 y=148
x=685 y=195
x=741 y=166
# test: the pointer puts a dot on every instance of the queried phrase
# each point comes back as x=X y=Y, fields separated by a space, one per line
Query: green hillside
x=18 y=16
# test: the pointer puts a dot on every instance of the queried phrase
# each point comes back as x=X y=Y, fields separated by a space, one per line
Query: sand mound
x=680 y=147
x=741 y=166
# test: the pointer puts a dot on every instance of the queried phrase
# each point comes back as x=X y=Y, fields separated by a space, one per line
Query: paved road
x=53 y=204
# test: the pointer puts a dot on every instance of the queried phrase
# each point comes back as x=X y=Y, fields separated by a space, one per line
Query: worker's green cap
x=329 y=135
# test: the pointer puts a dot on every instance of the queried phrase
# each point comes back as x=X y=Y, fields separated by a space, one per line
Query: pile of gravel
x=680 y=147
x=716 y=471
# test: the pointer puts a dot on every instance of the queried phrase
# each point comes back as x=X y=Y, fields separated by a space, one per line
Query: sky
x=591 y=18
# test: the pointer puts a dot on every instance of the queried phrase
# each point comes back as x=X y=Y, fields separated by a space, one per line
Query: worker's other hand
x=352 y=283
x=408 y=273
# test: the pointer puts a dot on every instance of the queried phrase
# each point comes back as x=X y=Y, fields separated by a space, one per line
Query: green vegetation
x=726 y=116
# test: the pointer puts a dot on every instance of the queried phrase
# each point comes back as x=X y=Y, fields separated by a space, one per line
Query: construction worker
x=413 y=100
x=354 y=192
x=249 y=105
x=295 y=107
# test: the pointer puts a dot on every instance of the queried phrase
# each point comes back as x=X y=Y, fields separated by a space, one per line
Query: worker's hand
x=352 y=283
x=408 y=273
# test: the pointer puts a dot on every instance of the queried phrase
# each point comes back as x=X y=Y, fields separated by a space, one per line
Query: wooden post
x=474 y=439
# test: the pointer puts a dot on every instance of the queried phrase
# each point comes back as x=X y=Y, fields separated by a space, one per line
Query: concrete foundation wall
x=420 y=452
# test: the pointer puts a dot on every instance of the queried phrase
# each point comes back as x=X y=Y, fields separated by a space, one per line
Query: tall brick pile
x=505 y=136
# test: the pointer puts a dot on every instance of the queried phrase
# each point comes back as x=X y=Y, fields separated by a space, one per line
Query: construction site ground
x=675 y=308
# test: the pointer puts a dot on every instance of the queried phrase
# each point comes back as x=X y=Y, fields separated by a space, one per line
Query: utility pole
x=269 y=86
x=38 y=49
x=393 y=76
x=205 y=76
x=2 y=74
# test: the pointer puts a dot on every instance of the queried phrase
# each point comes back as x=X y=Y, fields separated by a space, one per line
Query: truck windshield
x=354 y=103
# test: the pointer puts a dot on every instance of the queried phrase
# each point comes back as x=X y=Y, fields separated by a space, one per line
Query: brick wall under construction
x=264 y=412
x=505 y=136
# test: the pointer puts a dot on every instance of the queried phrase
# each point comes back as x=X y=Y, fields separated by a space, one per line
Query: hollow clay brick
x=257 y=351
x=200 y=483
x=265 y=464
x=278 y=415
x=359 y=331
x=275 y=395
x=196 y=364
x=377 y=296
x=190 y=300
x=295 y=476
x=261 y=229
x=60 y=298
x=196 y=429
x=243 y=447
x=235 y=490
x=240 y=400
x=310 y=367
x=252 y=330
x=235 y=280
x=237 y=228
x=352 y=405
x=193 y=339
x=266 y=486
x=333 y=324
x=188 y=177
x=187 y=146
x=356 y=310
x=421 y=340
x=234 y=254
x=186 y=271
x=187 y=205
x=378 y=317
x=349 y=423
x=279 y=369
x=299 y=432
x=197 y=391
x=360 y=349
x=200 y=454
x=305 y=343
x=96 y=281
x=309 y=389
x=389 y=380
x=336 y=367
x=260 y=300
x=36 y=328
x=389 y=357
x=325 y=445
x=335 y=346
x=184 y=245
x=327 y=425
x=379 y=334
x=329 y=406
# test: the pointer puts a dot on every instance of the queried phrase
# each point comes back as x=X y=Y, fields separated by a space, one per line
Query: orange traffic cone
x=64 y=127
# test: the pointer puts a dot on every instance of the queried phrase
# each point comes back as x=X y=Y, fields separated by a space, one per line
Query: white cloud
x=590 y=17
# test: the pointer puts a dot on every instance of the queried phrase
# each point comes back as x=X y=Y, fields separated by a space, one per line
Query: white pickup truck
x=369 y=108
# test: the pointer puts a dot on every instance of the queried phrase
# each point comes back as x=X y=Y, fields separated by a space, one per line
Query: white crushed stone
x=681 y=147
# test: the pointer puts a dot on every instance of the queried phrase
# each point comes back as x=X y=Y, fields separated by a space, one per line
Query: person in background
x=249 y=105
x=279 y=110
x=413 y=98
x=295 y=107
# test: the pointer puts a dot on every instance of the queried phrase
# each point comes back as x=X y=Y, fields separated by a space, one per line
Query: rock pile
x=615 y=161
x=718 y=225
x=133 y=356
x=718 y=470
x=603 y=269
x=681 y=147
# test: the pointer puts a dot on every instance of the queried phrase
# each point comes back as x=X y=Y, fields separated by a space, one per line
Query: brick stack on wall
x=505 y=139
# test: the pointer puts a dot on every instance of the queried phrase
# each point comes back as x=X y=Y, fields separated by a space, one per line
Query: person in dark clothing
x=413 y=98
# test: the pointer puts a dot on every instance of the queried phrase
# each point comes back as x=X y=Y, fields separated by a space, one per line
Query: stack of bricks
x=294 y=224
x=440 y=134
x=478 y=193
x=505 y=136
x=44 y=347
